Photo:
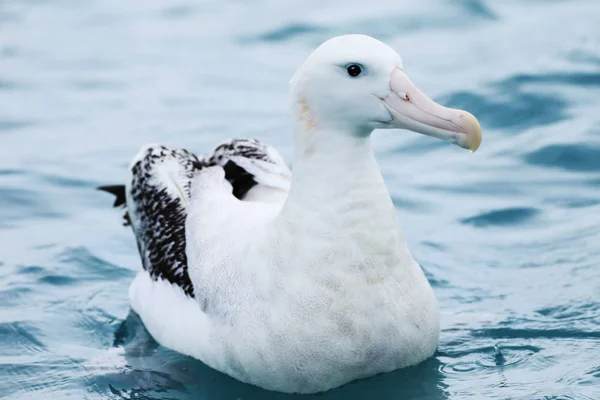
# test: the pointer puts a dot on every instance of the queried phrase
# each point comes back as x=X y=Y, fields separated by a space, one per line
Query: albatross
x=298 y=282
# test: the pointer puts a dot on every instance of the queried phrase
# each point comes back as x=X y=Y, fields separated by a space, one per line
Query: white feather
x=297 y=291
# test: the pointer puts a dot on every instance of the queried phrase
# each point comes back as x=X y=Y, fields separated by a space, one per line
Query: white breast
x=310 y=297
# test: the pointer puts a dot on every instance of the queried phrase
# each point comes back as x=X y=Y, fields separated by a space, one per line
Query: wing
x=256 y=171
x=158 y=194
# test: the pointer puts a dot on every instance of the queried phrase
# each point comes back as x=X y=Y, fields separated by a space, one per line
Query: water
x=509 y=237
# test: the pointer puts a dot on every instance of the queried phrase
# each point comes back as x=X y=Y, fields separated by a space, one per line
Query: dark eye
x=354 y=70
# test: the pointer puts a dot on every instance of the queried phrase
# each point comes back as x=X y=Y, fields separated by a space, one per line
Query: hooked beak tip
x=472 y=132
x=411 y=109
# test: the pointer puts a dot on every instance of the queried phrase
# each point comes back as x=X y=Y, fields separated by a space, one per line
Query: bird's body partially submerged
x=295 y=285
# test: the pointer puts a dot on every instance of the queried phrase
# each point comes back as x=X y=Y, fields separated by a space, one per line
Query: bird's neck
x=337 y=187
x=329 y=164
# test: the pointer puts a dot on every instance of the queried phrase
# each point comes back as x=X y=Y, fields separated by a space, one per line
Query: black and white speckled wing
x=158 y=194
x=255 y=170
x=157 y=197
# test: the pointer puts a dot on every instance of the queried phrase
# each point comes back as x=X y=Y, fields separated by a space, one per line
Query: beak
x=411 y=109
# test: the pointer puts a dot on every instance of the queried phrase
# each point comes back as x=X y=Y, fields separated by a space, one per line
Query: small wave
x=20 y=204
x=14 y=124
x=571 y=157
x=21 y=337
x=510 y=108
x=585 y=79
x=179 y=11
x=502 y=217
x=479 y=8
x=549 y=333
x=488 y=358
x=291 y=31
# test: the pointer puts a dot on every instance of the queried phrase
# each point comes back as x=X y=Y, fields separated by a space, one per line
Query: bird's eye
x=354 y=70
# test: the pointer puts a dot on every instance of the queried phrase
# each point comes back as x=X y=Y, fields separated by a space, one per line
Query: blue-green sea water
x=509 y=237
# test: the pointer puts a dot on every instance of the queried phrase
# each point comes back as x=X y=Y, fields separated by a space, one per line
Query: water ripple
x=576 y=311
x=180 y=11
x=7 y=125
x=290 y=31
x=19 y=204
x=571 y=157
x=90 y=267
x=510 y=109
x=488 y=358
x=479 y=8
x=502 y=217
x=547 y=333
x=21 y=337
x=508 y=238
x=585 y=79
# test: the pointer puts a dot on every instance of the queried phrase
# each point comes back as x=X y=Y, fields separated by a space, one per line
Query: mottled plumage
x=157 y=206
x=158 y=212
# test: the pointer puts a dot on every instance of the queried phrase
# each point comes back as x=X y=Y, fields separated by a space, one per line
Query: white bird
x=294 y=284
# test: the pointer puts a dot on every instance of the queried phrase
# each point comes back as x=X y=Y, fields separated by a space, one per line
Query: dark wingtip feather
x=118 y=191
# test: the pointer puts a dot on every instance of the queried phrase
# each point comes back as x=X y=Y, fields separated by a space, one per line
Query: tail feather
x=118 y=191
